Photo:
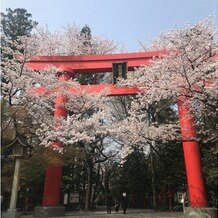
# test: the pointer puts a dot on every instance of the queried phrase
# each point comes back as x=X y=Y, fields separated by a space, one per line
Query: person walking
x=117 y=206
x=124 y=203
x=109 y=203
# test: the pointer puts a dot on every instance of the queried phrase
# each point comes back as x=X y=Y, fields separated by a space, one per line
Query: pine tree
x=17 y=23
x=86 y=37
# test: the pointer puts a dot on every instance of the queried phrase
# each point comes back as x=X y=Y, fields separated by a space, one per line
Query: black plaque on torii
x=119 y=71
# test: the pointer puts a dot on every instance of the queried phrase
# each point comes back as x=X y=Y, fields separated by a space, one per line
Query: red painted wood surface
x=92 y=63
x=110 y=89
x=192 y=156
x=51 y=196
x=52 y=185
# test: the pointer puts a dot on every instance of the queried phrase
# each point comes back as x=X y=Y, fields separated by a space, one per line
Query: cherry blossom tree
x=88 y=120
x=185 y=74
x=87 y=125
x=188 y=70
x=70 y=41
x=43 y=42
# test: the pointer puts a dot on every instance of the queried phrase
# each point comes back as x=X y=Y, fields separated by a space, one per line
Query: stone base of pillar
x=206 y=212
x=11 y=213
x=49 y=211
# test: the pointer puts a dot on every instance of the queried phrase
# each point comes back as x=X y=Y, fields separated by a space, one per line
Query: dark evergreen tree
x=210 y=169
x=86 y=37
x=17 y=23
x=133 y=178
x=14 y=24
x=138 y=182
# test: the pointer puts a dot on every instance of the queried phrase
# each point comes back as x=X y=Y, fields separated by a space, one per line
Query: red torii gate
x=69 y=65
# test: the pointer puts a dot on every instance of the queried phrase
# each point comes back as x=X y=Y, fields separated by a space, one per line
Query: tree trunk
x=153 y=179
x=89 y=188
x=84 y=193
x=96 y=190
x=165 y=192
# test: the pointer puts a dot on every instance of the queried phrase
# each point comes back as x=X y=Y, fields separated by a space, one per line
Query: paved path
x=131 y=213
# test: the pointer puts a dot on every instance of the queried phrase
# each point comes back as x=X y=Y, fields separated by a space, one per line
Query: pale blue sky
x=126 y=21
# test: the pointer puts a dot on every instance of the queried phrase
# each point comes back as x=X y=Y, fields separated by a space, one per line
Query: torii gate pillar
x=52 y=187
x=193 y=165
x=51 y=195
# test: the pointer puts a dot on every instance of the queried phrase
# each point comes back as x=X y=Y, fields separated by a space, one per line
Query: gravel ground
x=131 y=213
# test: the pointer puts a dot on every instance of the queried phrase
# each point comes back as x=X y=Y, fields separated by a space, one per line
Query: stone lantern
x=20 y=147
x=20 y=150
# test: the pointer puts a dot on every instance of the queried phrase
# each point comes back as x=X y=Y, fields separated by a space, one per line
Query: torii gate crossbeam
x=92 y=63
